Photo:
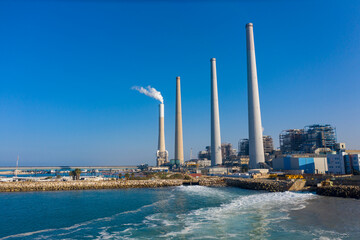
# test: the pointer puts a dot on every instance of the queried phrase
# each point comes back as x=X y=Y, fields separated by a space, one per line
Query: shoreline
x=252 y=184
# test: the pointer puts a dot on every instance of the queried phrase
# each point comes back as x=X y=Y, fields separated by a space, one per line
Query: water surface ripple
x=185 y=212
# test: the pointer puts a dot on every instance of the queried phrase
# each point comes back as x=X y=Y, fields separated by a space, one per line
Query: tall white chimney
x=216 y=158
x=179 y=150
x=256 y=148
x=161 y=154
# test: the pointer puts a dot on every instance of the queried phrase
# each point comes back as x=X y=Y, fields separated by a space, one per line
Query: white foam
x=205 y=191
x=265 y=201
x=160 y=219
x=265 y=204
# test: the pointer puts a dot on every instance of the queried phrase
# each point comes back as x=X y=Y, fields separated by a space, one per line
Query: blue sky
x=67 y=68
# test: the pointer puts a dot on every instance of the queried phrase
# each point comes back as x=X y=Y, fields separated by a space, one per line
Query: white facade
x=313 y=164
x=336 y=163
x=204 y=163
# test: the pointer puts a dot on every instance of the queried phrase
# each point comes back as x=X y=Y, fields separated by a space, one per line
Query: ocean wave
x=206 y=191
x=263 y=205
x=265 y=201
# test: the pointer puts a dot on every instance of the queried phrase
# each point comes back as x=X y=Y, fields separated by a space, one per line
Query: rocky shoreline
x=339 y=191
x=108 y=184
x=245 y=183
x=266 y=184
x=86 y=185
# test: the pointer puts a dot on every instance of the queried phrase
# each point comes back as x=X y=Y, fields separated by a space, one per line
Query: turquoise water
x=185 y=212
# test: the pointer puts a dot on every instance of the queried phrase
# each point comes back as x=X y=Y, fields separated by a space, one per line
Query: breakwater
x=339 y=191
x=85 y=185
x=206 y=181
x=254 y=184
x=266 y=184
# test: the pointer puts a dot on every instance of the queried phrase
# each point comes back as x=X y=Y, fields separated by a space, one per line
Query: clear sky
x=67 y=68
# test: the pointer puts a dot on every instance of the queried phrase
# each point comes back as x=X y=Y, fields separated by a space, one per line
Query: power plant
x=216 y=158
x=311 y=150
x=255 y=143
x=161 y=154
x=256 y=148
x=179 y=149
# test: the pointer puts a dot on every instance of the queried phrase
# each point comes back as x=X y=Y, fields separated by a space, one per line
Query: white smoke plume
x=150 y=91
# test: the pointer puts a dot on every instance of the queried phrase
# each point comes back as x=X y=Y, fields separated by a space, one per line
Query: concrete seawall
x=339 y=191
x=85 y=185
x=265 y=184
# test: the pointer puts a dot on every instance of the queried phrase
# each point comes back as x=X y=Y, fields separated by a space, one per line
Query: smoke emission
x=150 y=91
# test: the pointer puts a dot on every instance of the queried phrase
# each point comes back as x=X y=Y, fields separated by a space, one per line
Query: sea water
x=185 y=212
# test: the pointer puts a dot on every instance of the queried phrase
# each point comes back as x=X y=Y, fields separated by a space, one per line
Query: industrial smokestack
x=216 y=158
x=161 y=154
x=161 y=145
x=179 y=150
x=256 y=148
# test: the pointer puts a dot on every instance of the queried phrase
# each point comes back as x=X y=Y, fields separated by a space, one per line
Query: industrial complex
x=311 y=150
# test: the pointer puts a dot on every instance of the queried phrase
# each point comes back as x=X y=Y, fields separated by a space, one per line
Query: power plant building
x=291 y=140
x=319 y=136
x=267 y=143
x=344 y=162
x=309 y=139
x=309 y=163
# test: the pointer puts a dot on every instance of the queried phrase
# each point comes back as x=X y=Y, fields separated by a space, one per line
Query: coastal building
x=242 y=160
x=217 y=171
x=198 y=163
x=204 y=163
x=351 y=161
x=356 y=162
x=309 y=163
x=344 y=162
x=336 y=163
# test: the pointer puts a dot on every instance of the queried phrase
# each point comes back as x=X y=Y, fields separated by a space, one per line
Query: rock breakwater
x=339 y=191
x=85 y=185
x=266 y=184
x=206 y=181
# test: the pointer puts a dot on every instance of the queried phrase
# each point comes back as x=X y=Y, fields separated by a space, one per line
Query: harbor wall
x=339 y=191
x=85 y=185
x=265 y=184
